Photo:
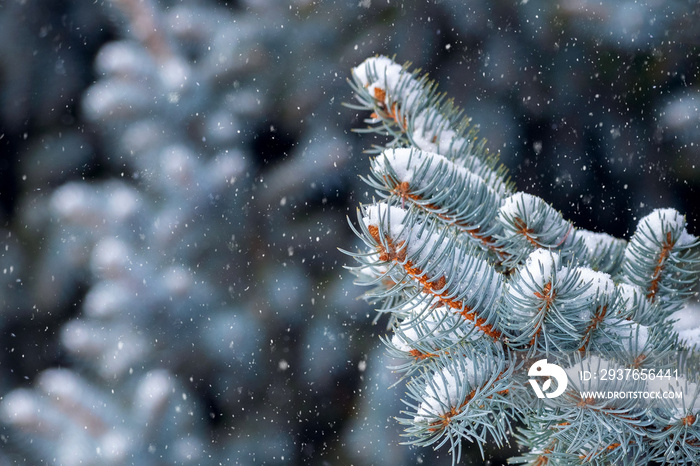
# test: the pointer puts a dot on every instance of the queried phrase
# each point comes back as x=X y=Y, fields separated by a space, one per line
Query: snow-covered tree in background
x=482 y=282
x=176 y=302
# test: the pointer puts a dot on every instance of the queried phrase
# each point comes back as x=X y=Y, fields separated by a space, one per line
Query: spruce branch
x=662 y=258
x=482 y=281
x=408 y=108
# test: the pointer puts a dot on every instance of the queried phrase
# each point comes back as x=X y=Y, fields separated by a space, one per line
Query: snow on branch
x=483 y=281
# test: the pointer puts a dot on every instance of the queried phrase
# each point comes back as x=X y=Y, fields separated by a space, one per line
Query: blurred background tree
x=175 y=177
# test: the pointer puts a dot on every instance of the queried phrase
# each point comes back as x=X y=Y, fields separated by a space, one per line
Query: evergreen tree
x=483 y=282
